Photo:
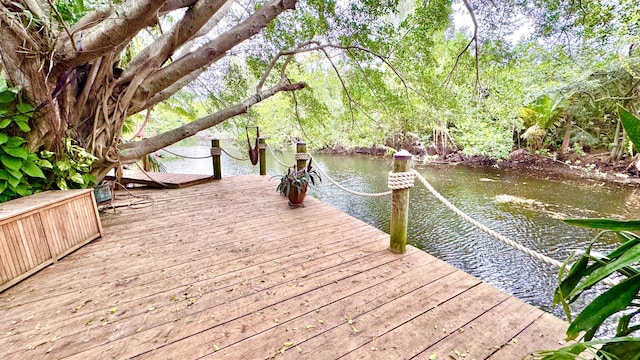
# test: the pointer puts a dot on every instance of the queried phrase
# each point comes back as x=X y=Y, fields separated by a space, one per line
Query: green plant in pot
x=293 y=185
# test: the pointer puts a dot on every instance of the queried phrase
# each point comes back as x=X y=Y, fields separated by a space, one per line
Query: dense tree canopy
x=355 y=72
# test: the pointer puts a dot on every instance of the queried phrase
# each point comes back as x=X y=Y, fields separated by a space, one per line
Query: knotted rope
x=401 y=180
x=301 y=156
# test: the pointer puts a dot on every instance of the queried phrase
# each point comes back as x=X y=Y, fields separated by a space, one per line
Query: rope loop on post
x=262 y=146
x=401 y=180
x=301 y=156
x=216 y=151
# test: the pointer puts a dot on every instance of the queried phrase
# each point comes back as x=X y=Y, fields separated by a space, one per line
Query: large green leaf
x=573 y=278
x=13 y=181
x=608 y=303
x=30 y=168
x=24 y=108
x=623 y=350
x=5 y=122
x=76 y=178
x=15 y=141
x=632 y=124
x=11 y=162
x=629 y=258
x=23 y=190
x=17 y=174
x=18 y=152
x=44 y=164
x=7 y=96
x=23 y=125
x=608 y=224
x=3 y=138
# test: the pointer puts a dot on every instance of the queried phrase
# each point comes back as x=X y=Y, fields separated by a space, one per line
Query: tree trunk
x=617 y=150
x=567 y=137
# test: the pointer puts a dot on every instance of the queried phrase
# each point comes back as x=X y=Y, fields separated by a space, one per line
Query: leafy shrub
x=20 y=174
x=23 y=172
x=620 y=302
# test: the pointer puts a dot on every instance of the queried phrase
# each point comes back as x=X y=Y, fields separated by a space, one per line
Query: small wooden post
x=146 y=164
x=399 y=206
x=301 y=148
x=215 y=157
x=119 y=174
x=262 y=155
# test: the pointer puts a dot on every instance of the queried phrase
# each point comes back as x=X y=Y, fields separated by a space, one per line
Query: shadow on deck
x=226 y=270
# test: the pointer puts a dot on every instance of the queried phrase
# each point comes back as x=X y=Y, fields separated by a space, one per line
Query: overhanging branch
x=93 y=40
x=214 y=49
x=131 y=152
x=163 y=47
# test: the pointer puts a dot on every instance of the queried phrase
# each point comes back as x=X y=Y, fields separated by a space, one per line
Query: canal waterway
x=525 y=208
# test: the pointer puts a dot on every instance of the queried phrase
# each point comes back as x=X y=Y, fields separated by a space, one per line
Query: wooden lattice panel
x=38 y=230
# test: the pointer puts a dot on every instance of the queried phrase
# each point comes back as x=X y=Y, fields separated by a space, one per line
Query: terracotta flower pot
x=296 y=196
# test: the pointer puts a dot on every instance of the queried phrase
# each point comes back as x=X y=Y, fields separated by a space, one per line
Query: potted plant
x=293 y=185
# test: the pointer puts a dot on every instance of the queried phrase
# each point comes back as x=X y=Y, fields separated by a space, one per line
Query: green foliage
x=631 y=123
x=71 y=10
x=619 y=302
x=297 y=179
x=23 y=172
x=72 y=168
x=20 y=170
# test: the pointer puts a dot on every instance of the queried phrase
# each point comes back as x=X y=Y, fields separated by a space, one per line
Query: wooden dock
x=163 y=180
x=226 y=270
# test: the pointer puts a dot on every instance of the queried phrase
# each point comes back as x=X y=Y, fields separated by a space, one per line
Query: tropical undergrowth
x=619 y=272
x=24 y=171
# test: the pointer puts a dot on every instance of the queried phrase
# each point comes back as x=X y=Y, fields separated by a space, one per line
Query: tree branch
x=172 y=5
x=164 y=46
x=168 y=92
x=119 y=27
x=131 y=152
x=214 y=49
x=472 y=13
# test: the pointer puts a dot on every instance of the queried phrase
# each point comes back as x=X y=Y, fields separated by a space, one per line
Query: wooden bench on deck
x=38 y=230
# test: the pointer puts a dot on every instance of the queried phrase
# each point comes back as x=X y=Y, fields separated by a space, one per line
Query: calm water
x=523 y=208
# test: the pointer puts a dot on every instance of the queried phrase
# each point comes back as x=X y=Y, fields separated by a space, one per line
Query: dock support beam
x=399 y=206
x=215 y=157
x=262 y=155
x=301 y=148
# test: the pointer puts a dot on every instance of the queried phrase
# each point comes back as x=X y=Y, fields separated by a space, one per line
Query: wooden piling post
x=262 y=155
x=399 y=206
x=301 y=148
x=146 y=164
x=215 y=157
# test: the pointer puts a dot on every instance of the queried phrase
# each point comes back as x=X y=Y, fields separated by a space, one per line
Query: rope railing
x=358 y=193
x=214 y=152
x=276 y=158
x=534 y=254
x=233 y=157
x=404 y=180
x=185 y=156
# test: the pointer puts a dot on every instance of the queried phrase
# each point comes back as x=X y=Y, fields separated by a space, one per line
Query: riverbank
x=593 y=166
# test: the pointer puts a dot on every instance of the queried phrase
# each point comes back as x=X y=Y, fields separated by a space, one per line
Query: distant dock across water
x=226 y=270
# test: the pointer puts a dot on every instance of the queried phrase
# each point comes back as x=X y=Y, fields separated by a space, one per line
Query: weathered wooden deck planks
x=226 y=270
x=164 y=180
